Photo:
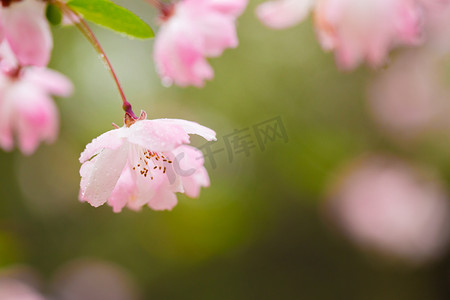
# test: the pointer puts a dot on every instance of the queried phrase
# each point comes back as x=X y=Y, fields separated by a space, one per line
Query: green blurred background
x=258 y=231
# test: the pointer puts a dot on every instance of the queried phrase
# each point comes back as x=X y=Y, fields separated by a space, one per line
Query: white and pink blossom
x=24 y=27
x=191 y=31
x=26 y=108
x=145 y=162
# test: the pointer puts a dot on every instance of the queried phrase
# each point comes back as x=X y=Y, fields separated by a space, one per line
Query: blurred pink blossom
x=143 y=162
x=386 y=205
x=191 y=31
x=410 y=97
x=91 y=279
x=437 y=27
x=407 y=98
x=11 y=289
x=354 y=30
x=26 y=107
x=366 y=30
x=279 y=14
x=79 y=279
x=24 y=27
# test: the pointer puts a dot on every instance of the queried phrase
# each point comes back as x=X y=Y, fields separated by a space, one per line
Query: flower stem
x=156 y=3
x=81 y=24
x=165 y=9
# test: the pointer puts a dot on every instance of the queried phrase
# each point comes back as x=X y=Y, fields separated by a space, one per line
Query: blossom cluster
x=146 y=162
x=26 y=108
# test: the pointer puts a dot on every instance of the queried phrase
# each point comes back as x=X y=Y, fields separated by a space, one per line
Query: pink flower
x=143 y=162
x=24 y=27
x=26 y=107
x=366 y=30
x=281 y=14
x=192 y=30
x=408 y=98
x=386 y=205
x=12 y=289
x=355 y=30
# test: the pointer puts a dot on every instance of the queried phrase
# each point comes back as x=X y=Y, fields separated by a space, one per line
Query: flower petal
x=124 y=190
x=191 y=128
x=231 y=7
x=218 y=31
x=109 y=140
x=86 y=170
x=101 y=175
x=156 y=136
x=8 y=61
x=178 y=53
x=38 y=119
x=30 y=112
x=27 y=31
x=6 y=116
x=193 y=184
x=164 y=200
x=283 y=13
x=52 y=81
x=360 y=31
x=146 y=190
x=189 y=161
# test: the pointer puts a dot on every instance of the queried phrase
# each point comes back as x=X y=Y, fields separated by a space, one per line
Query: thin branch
x=81 y=24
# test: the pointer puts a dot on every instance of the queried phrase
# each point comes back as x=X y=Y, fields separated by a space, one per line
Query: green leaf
x=53 y=14
x=112 y=16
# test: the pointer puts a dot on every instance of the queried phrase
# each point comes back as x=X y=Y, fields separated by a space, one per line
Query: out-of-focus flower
x=410 y=96
x=24 y=27
x=11 y=289
x=81 y=279
x=281 y=14
x=387 y=206
x=26 y=107
x=89 y=279
x=232 y=7
x=438 y=28
x=8 y=61
x=19 y=283
x=192 y=30
x=143 y=162
x=355 y=30
x=366 y=30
